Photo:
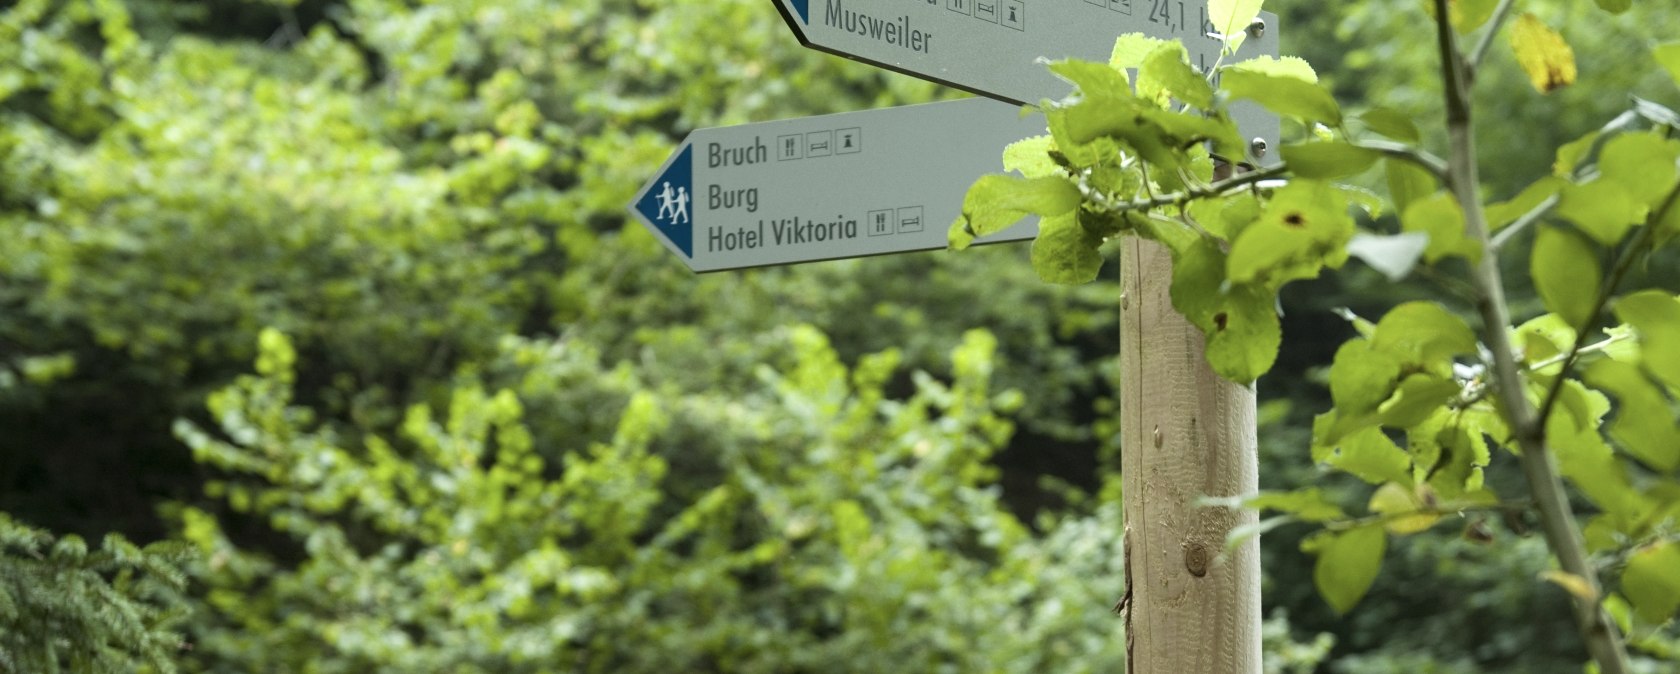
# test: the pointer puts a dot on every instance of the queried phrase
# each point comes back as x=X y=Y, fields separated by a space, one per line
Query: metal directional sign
x=855 y=184
x=991 y=47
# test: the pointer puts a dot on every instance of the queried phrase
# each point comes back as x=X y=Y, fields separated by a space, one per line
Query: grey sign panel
x=992 y=47
x=854 y=184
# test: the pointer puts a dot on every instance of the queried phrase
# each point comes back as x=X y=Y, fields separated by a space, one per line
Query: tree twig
x=1500 y=14
x=1602 y=639
x=1431 y=163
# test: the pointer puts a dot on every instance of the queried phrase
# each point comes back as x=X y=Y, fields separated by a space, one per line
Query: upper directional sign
x=991 y=47
x=820 y=188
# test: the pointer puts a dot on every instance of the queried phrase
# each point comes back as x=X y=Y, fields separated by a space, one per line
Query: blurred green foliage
x=492 y=428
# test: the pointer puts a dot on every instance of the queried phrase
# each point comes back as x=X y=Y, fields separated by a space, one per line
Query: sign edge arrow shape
x=846 y=185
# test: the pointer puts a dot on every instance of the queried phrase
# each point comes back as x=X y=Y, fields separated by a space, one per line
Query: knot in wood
x=1196 y=559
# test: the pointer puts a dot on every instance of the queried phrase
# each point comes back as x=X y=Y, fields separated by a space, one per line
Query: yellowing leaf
x=1402 y=505
x=1543 y=54
x=1571 y=583
x=1651 y=583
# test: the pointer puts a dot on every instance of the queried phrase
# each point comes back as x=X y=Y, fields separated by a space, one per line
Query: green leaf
x=996 y=202
x=1468 y=15
x=1347 y=565
x=1092 y=78
x=1655 y=315
x=1642 y=164
x=1407 y=182
x=1506 y=212
x=1395 y=500
x=1416 y=398
x=1394 y=256
x=1615 y=6
x=1309 y=504
x=1362 y=376
x=1424 y=333
x=1031 y=157
x=1392 y=123
x=1644 y=424
x=1603 y=209
x=1231 y=18
x=1566 y=273
x=1440 y=217
x=1304 y=228
x=1652 y=581
x=1668 y=54
x=1284 y=95
x=1246 y=337
x=1327 y=160
x=1167 y=69
x=1370 y=456
x=1293 y=67
x=1131 y=49
x=1543 y=337
x=1572 y=153
x=1065 y=252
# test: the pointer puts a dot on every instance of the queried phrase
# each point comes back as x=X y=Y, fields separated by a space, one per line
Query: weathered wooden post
x=1186 y=433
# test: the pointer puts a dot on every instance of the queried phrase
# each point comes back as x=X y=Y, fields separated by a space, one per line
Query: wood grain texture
x=1185 y=434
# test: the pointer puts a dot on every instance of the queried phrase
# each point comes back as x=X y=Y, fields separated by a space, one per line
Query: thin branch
x=1418 y=156
x=1181 y=198
x=1623 y=264
x=1603 y=641
x=1500 y=13
x=1595 y=347
x=1525 y=221
x=1389 y=518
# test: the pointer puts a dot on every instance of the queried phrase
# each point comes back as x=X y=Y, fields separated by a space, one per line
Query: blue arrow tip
x=804 y=9
x=669 y=203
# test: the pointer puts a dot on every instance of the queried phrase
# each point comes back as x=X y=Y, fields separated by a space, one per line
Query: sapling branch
x=1179 y=199
x=1624 y=263
x=1524 y=221
x=1479 y=52
x=1414 y=155
x=1603 y=641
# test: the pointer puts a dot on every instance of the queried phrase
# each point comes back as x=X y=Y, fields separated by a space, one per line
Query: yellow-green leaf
x=1669 y=56
x=1571 y=583
x=1655 y=315
x=1328 y=160
x=1065 y=252
x=1652 y=581
x=1392 y=123
x=1644 y=424
x=1543 y=54
x=1567 y=274
x=1440 y=217
x=1347 y=564
x=1231 y=18
x=1402 y=505
x=1285 y=95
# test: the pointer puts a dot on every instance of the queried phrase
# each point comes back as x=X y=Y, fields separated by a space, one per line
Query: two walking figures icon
x=674 y=204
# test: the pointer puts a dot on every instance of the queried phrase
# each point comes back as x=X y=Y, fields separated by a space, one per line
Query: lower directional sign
x=837 y=186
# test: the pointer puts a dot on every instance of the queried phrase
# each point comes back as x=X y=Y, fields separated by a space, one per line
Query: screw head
x=1257 y=29
x=1258 y=147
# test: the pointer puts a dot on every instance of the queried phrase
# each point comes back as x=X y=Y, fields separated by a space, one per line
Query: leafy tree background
x=333 y=304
